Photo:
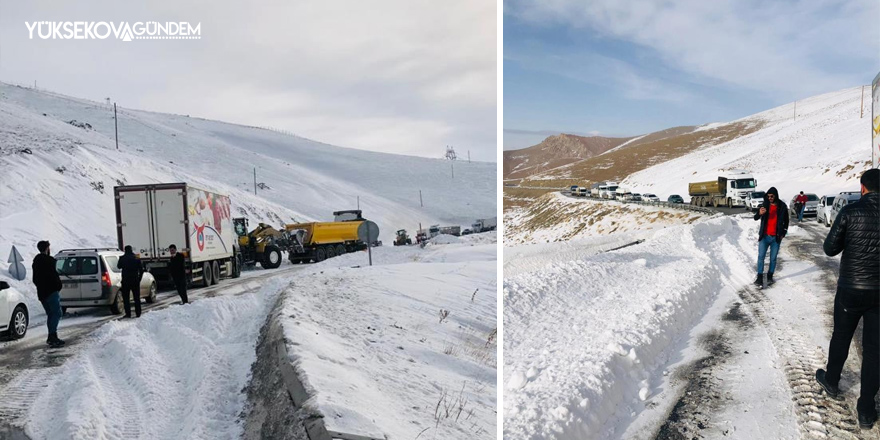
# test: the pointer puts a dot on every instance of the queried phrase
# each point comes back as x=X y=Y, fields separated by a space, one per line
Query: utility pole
x=795 y=110
x=469 y=156
x=452 y=166
x=422 y=204
x=359 y=202
x=862 y=106
x=115 y=122
x=255 y=180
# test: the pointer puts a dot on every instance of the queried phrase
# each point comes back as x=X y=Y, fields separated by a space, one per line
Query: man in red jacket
x=800 y=204
x=774 y=225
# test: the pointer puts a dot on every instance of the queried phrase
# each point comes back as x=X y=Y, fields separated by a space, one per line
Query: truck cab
x=738 y=184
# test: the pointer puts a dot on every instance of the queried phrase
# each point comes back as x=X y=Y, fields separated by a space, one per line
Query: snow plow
x=263 y=245
x=401 y=238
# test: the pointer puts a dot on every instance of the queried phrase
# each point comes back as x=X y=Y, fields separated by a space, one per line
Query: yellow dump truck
x=317 y=241
x=730 y=190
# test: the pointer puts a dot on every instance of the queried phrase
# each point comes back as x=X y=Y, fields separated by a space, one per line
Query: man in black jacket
x=856 y=233
x=177 y=267
x=774 y=225
x=132 y=272
x=48 y=290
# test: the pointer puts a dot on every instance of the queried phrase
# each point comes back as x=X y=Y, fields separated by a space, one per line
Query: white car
x=90 y=278
x=14 y=315
x=823 y=211
x=648 y=197
x=754 y=199
x=843 y=199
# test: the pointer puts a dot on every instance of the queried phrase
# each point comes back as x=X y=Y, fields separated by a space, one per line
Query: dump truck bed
x=712 y=187
x=327 y=232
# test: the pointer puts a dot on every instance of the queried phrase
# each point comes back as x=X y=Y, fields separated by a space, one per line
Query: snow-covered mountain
x=59 y=164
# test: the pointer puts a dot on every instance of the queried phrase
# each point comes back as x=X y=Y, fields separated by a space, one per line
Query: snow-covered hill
x=823 y=151
x=57 y=181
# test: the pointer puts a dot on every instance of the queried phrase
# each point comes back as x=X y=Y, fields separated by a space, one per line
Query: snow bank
x=171 y=374
x=375 y=354
x=586 y=338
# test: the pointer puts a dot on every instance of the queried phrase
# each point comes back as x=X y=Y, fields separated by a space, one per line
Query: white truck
x=151 y=217
x=730 y=189
x=609 y=191
x=484 y=224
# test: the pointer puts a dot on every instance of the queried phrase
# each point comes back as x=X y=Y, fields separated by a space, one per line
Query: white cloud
x=395 y=76
x=782 y=48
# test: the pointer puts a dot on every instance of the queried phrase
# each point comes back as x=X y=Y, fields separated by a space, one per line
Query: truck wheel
x=320 y=255
x=206 y=274
x=271 y=257
x=236 y=266
x=729 y=203
x=331 y=251
x=215 y=268
x=340 y=249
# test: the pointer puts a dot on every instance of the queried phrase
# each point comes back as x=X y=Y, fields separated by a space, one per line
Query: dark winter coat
x=132 y=270
x=781 y=217
x=45 y=276
x=856 y=233
x=177 y=267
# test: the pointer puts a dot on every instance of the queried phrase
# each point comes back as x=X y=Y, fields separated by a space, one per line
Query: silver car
x=810 y=208
x=843 y=199
x=754 y=200
x=90 y=279
x=823 y=211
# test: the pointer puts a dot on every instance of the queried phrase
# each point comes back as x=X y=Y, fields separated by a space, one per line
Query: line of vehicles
x=732 y=188
x=480 y=225
x=215 y=246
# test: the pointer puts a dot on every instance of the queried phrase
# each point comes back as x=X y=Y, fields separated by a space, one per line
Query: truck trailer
x=730 y=189
x=151 y=217
x=484 y=224
x=318 y=241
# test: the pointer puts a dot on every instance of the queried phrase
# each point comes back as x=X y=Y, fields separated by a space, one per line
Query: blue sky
x=622 y=68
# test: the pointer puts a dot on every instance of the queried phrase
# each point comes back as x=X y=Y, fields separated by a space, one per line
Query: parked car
x=810 y=210
x=843 y=199
x=90 y=279
x=675 y=198
x=14 y=315
x=623 y=195
x=467 y=232
x=648 y=197
x=754 y=199
x=636 y=197
x=823 y=211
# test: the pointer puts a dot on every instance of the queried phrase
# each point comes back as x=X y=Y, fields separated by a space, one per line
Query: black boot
x=832 y=390
x=770 y=279
x=867 y=421
x=53 y=340
x=759 y=282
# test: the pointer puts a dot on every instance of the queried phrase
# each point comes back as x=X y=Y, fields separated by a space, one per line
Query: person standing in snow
x=800 y=204
x=177 y=267
x=774 y=225
x=856 y=233
x=132 y=272
x=48 y=290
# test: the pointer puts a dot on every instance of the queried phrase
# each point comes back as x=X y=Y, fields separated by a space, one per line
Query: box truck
x=151 y=217
x=484 y=224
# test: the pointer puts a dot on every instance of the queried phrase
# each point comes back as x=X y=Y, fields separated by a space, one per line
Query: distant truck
x=583 y=191
x=151 y=217
x=573 y=190
x=484 y=224
x=730 y=189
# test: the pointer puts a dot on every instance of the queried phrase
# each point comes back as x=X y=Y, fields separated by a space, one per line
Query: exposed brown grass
x=617 y=165
x=520 y=197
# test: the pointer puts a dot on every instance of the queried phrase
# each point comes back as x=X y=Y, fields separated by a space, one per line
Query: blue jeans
x=52 y=306
x=800 y=215
x=767 y=241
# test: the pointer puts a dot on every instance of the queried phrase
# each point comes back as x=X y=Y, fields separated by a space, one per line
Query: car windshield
x=757 y=194
x=829 y=200
x=812 y=198
x=743 y=183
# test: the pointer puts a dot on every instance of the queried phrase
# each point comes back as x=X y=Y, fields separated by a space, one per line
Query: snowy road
x=754 y=377
x=27 y=363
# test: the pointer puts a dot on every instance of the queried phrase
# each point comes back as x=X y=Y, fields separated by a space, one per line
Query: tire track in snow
x=818 y=416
